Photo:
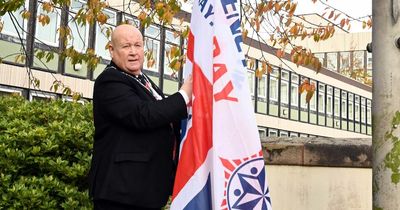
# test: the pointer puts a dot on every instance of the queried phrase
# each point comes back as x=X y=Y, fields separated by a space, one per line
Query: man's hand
x=188 y=86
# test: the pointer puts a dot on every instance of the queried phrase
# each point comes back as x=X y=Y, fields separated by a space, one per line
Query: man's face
x=126 y=49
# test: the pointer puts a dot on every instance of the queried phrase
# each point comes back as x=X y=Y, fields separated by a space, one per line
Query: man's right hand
x=188 y=86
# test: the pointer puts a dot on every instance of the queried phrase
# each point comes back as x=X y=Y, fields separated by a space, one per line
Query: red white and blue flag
x=221 y=163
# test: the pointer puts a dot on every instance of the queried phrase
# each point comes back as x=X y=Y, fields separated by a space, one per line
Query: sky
x=354 y=8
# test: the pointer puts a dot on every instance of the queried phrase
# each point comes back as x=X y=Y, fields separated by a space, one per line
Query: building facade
x=340 y=107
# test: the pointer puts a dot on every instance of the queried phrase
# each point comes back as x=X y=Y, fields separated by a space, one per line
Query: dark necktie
x=142 y=80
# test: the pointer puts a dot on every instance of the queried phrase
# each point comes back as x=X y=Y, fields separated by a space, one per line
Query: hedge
x=45 y=153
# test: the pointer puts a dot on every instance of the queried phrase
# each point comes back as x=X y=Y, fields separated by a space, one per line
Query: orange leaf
x=269 y=69
x=102 y=18
x=342 y=22
x=259 y=73
x=309 y=96
x=280 y=53
x=289 y=20
x=293 y=30
x=142 y=16
x=331 y=15
x=304 y=86
x=293 y=9
x=264 y=66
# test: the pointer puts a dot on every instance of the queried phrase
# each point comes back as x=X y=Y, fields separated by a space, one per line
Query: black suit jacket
x=133 y=142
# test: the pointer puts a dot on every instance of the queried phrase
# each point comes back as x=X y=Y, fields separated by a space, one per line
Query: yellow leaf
x=25 y=14
x=244 y=33
x=159 y=5
x=177 y=66
x=43 y=19
x=107 y=45
x=150 y=62
x=47 y=6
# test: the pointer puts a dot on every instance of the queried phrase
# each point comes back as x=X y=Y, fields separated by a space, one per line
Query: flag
x=221 y=163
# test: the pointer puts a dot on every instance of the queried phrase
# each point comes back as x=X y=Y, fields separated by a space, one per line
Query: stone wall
x=319 y=173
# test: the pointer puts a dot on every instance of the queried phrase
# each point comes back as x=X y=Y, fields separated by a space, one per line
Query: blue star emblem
x=248 y=189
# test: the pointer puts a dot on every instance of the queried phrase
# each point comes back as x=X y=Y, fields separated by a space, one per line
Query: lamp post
x=386 y=102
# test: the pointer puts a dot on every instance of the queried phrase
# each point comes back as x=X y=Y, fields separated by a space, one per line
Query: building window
x=329 y=104
x=102 y=32
x=79 y=32
x=37 y=95
x=284 y=92
x=357 y=108
x=350 y=108
x=358 y=60
x=9 y=91
x=262 y=132
x=344 y=104
x=313 y=100
x=369 y=114
x=272 y=132
x=171 y=40
x=48 y=33
x=273 y=88
x=8 y=26
x=294 y=134
x=336 y=106
x=283 y=134
x=321 y=57
x=321 y=98
x=303 y=101
x=262 y=87
x=332 y=61
x=344 y=61
x=131 y=21
x=369 y=64
x=363 y=110
x=250 y=79
x=294 y=95
x=284 y=87
x=152 y=48
x=70 y=99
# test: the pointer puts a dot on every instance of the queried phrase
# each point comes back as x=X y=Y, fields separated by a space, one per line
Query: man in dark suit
x=135 y=140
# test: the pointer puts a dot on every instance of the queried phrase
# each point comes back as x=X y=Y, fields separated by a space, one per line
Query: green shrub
x=45 y=153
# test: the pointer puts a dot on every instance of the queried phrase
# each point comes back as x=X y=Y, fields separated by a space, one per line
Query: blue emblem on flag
x=247 y=188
